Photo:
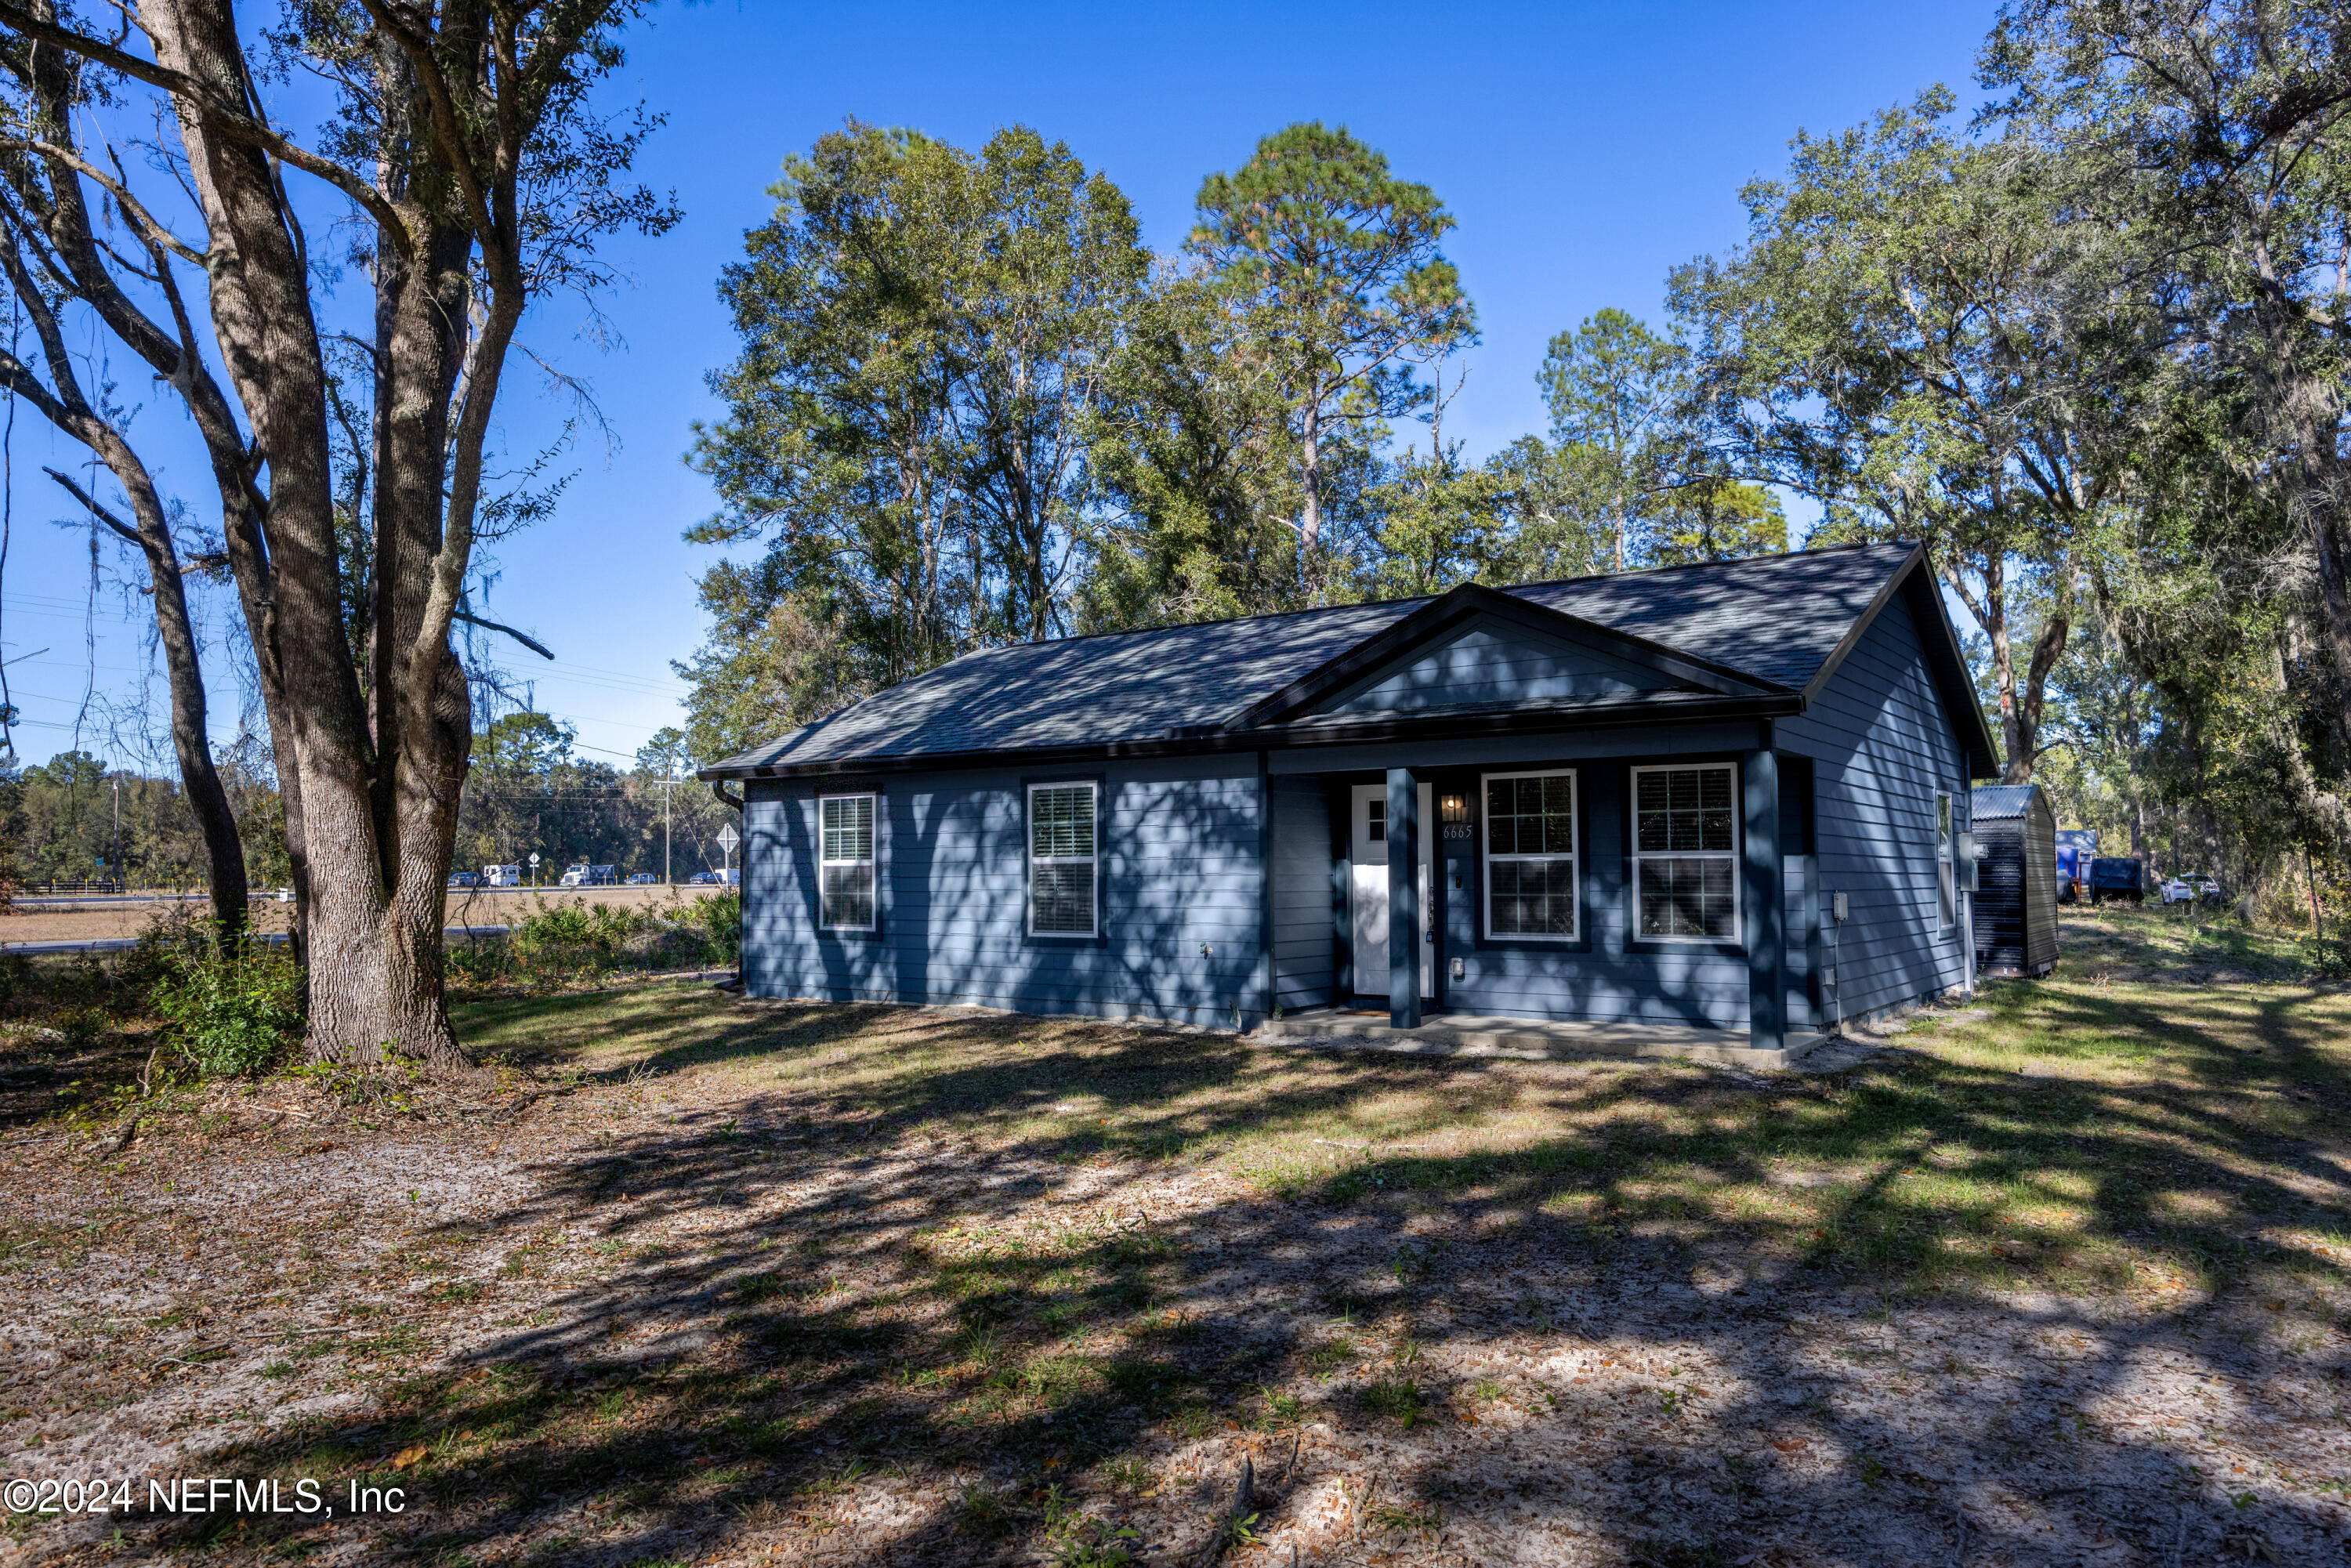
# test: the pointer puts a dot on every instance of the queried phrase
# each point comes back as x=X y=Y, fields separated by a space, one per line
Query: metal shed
x=2016 y=888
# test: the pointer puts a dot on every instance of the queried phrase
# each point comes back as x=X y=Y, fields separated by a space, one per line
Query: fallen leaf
x=1790 y=1445
x=408 y=1455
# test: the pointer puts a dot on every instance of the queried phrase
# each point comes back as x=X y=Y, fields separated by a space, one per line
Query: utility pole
x=667 y=881
x=120 y=886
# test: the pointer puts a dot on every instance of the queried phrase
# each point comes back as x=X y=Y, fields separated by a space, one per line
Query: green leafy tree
x=1614 y=388
x=1443 y=523
x=925 y=334
x=2206 y=143
x=1716 y=518
x=1910 y=338
x=1194 y=467
x=1558 y=498
x=1335 y=263
x=462 y=142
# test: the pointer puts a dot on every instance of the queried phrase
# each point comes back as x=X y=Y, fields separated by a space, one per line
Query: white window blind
x=1064 y=862
x=1946 y=869
x=1686 y=852
x=1531 y=879
x=845 y=860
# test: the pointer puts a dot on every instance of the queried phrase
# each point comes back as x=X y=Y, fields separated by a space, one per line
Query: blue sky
x=1584 y=149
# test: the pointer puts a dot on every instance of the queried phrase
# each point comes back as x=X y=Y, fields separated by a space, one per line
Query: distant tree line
x=75 y=819
x=2091 y=342
x=529 y=791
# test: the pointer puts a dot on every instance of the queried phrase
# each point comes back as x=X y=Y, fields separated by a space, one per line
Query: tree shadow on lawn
x=820 y=1291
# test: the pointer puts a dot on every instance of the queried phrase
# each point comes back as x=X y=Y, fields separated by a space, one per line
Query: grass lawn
x=2054 y=1278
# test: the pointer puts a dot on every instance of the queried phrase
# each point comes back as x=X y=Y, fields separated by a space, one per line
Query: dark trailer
x=2016 y=885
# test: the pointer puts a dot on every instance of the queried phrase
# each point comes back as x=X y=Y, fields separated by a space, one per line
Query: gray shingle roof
x=1777 y=617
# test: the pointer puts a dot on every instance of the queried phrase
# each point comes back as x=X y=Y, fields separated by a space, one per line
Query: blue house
x=1730 y=796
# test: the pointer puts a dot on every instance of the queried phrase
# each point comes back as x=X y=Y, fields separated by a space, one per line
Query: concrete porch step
x=1533 y=1039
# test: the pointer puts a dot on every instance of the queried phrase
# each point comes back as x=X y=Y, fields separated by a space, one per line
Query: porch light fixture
x=1454 y=808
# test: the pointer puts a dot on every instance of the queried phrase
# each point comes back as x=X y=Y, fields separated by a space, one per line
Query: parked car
x=502 y=876
x=642 y=878
x=2117 y=876
x=704 y=879
x=2192 y=887
x=464 y=879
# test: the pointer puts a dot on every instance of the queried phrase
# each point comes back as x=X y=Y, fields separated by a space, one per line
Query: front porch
x=1498 y=899
x=1535 y=1040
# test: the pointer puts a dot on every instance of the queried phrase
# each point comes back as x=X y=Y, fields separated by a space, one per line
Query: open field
x=481 y=906
x=2057 y=1279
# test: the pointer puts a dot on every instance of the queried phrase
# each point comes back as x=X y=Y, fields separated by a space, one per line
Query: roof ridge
x=1704 y=565
x=1428 y=598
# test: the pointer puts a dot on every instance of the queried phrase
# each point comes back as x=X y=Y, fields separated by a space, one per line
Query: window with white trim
x=1945 y=868
x=845 y=860
x=1530 y=883
x=1686 y=852
x=1063 y=864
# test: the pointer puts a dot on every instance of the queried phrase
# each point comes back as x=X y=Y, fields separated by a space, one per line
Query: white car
x=2191 y=887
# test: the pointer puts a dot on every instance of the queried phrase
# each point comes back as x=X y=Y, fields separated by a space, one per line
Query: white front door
x=1368 y=854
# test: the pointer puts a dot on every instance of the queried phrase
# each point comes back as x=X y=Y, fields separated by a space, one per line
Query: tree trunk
x=1309 y=514
x=2333 y=595
x=2023 y=735
x=191 y=742
x=374 y=944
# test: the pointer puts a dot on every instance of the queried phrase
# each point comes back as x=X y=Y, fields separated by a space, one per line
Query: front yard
x=2055 y=1279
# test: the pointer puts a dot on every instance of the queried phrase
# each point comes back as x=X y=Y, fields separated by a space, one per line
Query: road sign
x=728 y=838
x=534 y=857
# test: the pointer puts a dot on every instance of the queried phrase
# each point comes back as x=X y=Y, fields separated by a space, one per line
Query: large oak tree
x=465 y=148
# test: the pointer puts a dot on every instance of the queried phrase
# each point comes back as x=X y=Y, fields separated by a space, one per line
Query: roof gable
x=1549 y=646
x=1487 y=664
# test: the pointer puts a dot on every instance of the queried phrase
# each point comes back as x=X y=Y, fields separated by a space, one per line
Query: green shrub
x=2327 y=957
x=720 y=917
x=231 y=1013
x=561 y=939
x=479 y=963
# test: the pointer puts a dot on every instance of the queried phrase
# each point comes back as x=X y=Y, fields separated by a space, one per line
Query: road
x=123 y=944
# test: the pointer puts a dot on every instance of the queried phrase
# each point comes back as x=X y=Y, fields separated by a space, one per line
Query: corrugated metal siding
x=1305 y=948
x=2016 y=907
x=1485 y=665
x=1882 y=747
x=1179 y=898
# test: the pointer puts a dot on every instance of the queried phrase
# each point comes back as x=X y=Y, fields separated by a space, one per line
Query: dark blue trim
x=1101 y=936
x=1585 y=907
x=816 y=864
x=1634 y=940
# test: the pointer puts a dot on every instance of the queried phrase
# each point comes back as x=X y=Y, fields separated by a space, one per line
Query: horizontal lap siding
x=1611 y=980
x=1882 y=747
x=1305 y=952
x=1179 y=892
